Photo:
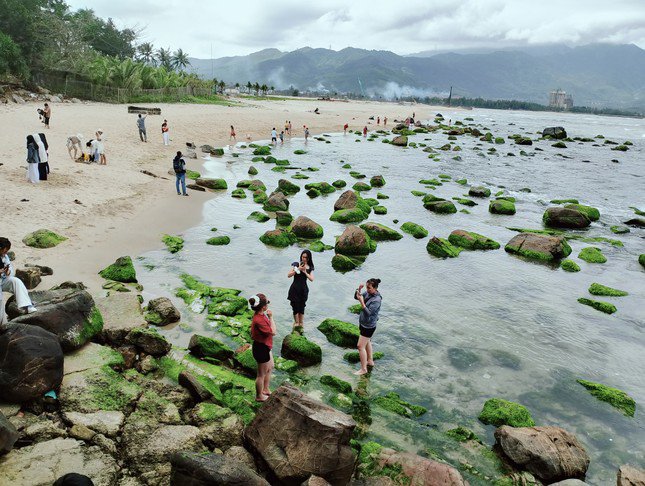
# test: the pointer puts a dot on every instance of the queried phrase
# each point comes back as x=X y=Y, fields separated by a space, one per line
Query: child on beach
x=306 y=132
x=100 y=148
x=370 y=301
x=345 y=127
x=286 y=126
x=274 y=136
x=232 y=136
x=384 y=121
x=262 y=331
x=289 y=131
x=282 y=137
x=164 y=133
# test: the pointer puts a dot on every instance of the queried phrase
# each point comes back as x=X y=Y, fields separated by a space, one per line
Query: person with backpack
x=179 y=166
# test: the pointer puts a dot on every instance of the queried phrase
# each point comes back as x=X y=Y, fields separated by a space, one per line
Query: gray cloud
x=239 y=28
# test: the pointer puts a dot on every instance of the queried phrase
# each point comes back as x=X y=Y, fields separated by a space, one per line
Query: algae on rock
x=499 y=412
x=615 y=397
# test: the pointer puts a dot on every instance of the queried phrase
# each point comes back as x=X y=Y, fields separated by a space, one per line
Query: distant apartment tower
x=560 y=99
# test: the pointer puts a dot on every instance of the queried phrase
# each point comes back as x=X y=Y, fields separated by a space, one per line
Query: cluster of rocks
x=20 y=96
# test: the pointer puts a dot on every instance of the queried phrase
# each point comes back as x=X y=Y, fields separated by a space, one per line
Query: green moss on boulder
x=343 y=263
x=173 y=243
x=380 y=210
x=592 y=213
x=442 y=248
x=605 y=307
x=414 y=229
x=380 y=232
x=279 y=238
x=598 y=289
x=472 y=241
x=377 y=181
x=336 y=383
x=43 y=238
x=252 y=171
x=557 y=217
x=339 y=184
x=569 y=266
x=462 y=434
x=263 y=150
x=340 y=333
x=283 y=218
x=393 y=403
x=501 y=206
x=287 y=187
x=321 y=187
x=361 y=186
x=353 y=357
x=122 y=270
x=564 y=201
x=215 y=184
x=500 y=412
x=440 y=207
x=218 y=240
x=298 y=348
x=258 y=216
x=641 y=259
x=591 y=254
x=205 y=347
x=615 y=397
x=238 y=194
x=353 y=215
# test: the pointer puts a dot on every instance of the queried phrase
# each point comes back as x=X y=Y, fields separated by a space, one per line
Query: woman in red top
x=262 y=331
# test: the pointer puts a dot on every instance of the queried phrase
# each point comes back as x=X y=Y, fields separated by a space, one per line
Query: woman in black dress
x=301 y=272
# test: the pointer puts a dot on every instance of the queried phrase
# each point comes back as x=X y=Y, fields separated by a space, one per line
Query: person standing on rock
x=179 y=166
x=370 y=301
x=301 y=272
x=262 y=331
x=9 y=283
x=164 y=133
x=141 y=125
x=33 y=159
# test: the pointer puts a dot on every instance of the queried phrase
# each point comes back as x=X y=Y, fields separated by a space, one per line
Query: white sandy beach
x=122 y=210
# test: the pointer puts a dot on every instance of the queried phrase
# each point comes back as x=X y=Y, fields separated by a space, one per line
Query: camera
x=296 y=268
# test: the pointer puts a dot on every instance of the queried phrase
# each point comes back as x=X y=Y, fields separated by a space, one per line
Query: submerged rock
x=538 y=247
x=303 y=227
x=550 y=453
x=630 y=476
x=479 y=191
x=442 y=248
x=300 y=349
x=414 y=229
x=498 y=412
x=419 y=470
x=340 y=333
x=555 y=132
x=472 y=241
x=613 y=396
x=313 y=438
x=591 y=254
x=557 y=217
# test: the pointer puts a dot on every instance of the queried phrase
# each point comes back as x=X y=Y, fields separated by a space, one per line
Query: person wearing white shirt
x=9 y=283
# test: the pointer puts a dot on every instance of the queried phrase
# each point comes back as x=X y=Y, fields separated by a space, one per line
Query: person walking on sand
x=33 y=159
x=378 y=120
x=345 y=127
x=301 y=272
x=47 y=114
x=286 y=126
x=9 y=283
x=262 y=331
x=370 y=301
x=100 y=147
x=141 y=125
x=365 y=131
x=179 y=166
x=290 y=131
x=165 y=135
x=274 y=136
x=306 y=132
x=384 y=121
x=232 y=136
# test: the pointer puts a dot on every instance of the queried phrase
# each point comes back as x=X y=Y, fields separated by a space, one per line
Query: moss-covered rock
x=538 y=246
x=205 y=347
x=283 y=218
x=122 y=270
x=380 y=209
x=598 y=289
x=238 y=194
x=479 y=191
x=442 y=248
x=393 y=403
x=339 y=184
x=252 y=171
x=605 y=307
x=313 y=193
x=340 y=333
x=336 y=383
x=440 y=207
x=381 y=232
x=592 y=213
x=591 y=254
x=354 y=242
x=558 y=217
x=414 y=229
x=472 y=241
x=353 y=215
x=619 y=230
x=279 y=238
x=569 y=266
x=462 y=434
x=246 y=362
x=380 y=195
x=377 y=181
x=218 y=240
x=463 y=359
x=418 y=193
x=318 y=246
x=263 y=150
x=501 y=206
x=500 y=412
x=227 y=305
x=215 y=184
x=615 y=397
x=260 y=197
x=43 y=238
x=298 y=348
x=465 y=201
x=258 y=216
x=353 y=356
x=321 y=187
x=361 y=186
x=462 y=182
x=343 y=263
x=173 y=243
x=641 y=259
x=564 y=201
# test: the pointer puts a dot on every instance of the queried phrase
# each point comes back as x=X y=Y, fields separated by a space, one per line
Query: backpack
x=178 y=165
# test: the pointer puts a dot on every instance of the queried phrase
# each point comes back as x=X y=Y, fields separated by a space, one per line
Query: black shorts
x=367 y=332
x=46 y=120
x=273 y=139
x=298 y=307
x=261 y=352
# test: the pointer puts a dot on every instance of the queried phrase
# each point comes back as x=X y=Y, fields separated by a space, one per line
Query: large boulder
x=479 y=191
x=30 y=276
x=472 y=241
x=421 y=470
x=31 y=362
x=149 y=341
x=161 y=311
x=121 y=270
x=70 y=314
x=300 y=349
x=538 y=247
x=8 y=434
x=297 y=436
x=190 y=468
x=276 y=202
x=215 y=184
x=630 y=476
x=353 y=241
x=303 y=227
x=205 y=347
x=347 y=200
x=555 y=132
x=380 y=232
x=557 y=217
x=550 y=453
x=400 y=141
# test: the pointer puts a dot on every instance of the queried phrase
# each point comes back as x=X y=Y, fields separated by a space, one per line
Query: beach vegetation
x=500 y=412
x=615 y=397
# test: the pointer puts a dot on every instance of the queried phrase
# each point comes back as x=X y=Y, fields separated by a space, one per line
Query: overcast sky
x=245 y=26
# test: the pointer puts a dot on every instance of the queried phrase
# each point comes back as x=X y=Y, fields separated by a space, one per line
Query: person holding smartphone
x=9 y=283
x=262 y=331
x=301 y=272
x=370 y=301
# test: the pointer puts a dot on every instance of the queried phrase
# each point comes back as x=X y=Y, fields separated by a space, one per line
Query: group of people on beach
x=263 y=326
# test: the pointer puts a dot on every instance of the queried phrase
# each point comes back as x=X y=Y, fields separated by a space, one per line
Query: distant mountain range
x=597 y=75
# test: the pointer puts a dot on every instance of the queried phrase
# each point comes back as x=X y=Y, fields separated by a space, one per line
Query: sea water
x=455 y=332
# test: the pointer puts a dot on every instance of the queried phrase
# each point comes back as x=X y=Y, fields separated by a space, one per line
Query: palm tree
x=179 y=60
x=272 y=89
x=249 y=86
x=222 y=85
x=164 y=57
x=237 y=86
x=256 y=87
x=146 y=53
x=264 y=88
